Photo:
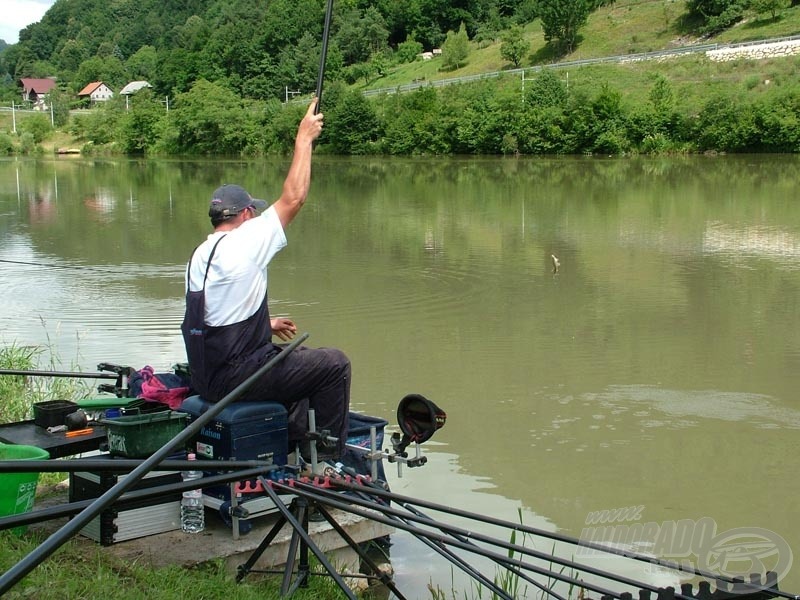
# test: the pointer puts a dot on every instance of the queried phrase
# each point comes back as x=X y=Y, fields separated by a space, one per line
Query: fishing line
x=51 y=266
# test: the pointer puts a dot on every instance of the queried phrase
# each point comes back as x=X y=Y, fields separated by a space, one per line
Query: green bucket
x=18 y=490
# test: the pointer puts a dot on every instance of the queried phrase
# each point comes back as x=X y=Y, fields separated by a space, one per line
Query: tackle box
x=52 y=413
x=129 y=520
x=242 y=431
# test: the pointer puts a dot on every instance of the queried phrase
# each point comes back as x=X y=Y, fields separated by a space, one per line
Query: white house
x=96 y=92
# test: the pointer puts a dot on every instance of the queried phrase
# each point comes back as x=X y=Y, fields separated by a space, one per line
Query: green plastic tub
x=138 y=436
x=18 y=490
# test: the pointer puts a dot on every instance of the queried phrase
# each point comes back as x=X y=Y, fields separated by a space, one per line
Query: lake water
x=657 y=369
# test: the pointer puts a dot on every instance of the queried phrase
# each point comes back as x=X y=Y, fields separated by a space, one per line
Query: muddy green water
x=657 y=369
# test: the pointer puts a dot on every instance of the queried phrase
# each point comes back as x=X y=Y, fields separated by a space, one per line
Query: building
x=130 y=89
x=133 y=87
x=96 y=92
x=35 y=91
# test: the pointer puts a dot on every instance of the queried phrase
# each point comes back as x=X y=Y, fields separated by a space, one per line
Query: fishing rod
x=123 y=465
x=59 y=538
x=525 y=529
x=117 y=373
x=443 y=550
x=453 y=530
x=76 y=374
x=739 y=588
x=449 y=555
x=350 y=505
x=324 y=54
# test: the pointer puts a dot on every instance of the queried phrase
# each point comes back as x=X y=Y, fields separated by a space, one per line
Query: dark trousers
x=310 y=378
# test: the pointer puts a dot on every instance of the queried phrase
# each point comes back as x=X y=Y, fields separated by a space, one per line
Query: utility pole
x=13 y=118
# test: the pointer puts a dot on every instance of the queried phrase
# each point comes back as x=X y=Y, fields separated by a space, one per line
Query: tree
x=547 y=90
x=771 y=7
x=143 y=63
x=514 y=46
x=72 y=54
x=139 y=127
x=109 y=70
x=455 y=49
x=209 y=119
x=353 y=124
x=561 y=20
x=408 y=51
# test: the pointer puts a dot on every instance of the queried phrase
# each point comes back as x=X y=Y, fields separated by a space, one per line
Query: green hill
x=624 y=28
x=227 y=72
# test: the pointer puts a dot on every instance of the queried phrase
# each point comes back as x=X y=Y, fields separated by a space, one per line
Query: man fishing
x=227 y=328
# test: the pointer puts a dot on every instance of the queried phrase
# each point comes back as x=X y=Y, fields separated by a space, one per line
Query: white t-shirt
x=237 y=279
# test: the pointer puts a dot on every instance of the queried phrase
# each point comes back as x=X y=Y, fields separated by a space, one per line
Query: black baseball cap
x=230 y=199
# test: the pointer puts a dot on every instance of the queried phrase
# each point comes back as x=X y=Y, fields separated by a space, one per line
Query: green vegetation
x=220 y=74
x=18 y=393
x=84 y=570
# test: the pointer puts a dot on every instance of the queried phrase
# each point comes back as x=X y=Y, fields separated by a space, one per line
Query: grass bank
x=81 y=570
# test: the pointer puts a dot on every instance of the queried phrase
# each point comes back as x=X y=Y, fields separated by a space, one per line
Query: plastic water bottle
x=192 y=509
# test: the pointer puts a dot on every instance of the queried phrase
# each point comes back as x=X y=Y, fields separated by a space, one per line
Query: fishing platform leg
x=297 y=517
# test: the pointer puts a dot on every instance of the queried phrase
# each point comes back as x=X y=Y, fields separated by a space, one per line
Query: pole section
x=323 y=57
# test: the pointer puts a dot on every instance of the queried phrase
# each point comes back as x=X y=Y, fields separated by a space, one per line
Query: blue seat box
x=244 y=430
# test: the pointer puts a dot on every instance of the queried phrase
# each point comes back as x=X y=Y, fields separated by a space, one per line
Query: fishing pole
x=324 y=55
x=76 y=374
x=566 y=539
x=123 y=465
x=350 y=505
x=511 y=547
x=466 y=567
x=73 y=508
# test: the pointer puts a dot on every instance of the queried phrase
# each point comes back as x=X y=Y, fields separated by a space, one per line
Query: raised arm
x=298 y=180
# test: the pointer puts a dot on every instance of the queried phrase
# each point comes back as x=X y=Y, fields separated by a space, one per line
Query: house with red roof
x=96 y=91
x=35 y=91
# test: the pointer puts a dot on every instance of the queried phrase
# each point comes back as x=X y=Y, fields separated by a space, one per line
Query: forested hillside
x=260 y=48
x=256 y=47
x=221 y=72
